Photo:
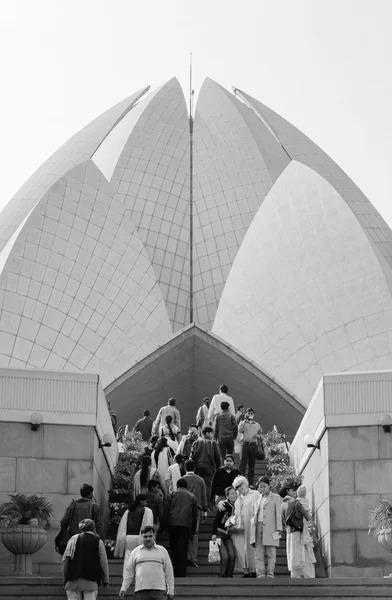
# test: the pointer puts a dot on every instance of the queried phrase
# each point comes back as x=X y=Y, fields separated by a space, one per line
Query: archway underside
x=191 y=366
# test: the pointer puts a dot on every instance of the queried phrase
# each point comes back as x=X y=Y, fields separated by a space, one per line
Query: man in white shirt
x=171 y=410
x=150 y=568
x=215 y=406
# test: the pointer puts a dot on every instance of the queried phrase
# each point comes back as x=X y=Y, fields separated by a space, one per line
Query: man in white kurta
x=215 y=406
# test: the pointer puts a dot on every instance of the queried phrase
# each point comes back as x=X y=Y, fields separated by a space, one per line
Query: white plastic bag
x=213 y=552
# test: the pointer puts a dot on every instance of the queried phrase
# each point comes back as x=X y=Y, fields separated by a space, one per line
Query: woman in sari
x=162 y=457
x=146 y=474
x=132 y=521
x=243 y=510
x=299 y=544
x=171 y=432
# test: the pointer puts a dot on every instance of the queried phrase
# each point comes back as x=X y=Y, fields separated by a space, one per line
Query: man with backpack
x=226 y=430
x=83 y=508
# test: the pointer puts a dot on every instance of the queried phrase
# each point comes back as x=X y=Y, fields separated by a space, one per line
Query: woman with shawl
x=132 y=521
x=85 y=563
x=144 y=475
x=171 y=432
x=241 y=533
x=162 y=457
x=299 y=543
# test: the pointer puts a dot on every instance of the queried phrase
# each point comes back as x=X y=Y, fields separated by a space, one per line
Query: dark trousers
x=179 y=540
x=227 y=553
x=207 y=473
x=226 y=446
x=150 y=595
x=248 y=455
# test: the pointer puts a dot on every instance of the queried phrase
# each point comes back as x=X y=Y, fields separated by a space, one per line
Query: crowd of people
x=180 y=478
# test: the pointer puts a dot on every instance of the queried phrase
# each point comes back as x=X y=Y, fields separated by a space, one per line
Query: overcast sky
x=325 y=65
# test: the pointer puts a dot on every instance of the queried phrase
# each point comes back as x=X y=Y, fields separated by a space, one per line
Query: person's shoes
x=271 y=575
x=252 y=575
x=246 y=575
x=192 y=563
x=260 y=576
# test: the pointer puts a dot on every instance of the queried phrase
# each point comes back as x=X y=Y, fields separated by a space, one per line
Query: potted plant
x=380 y=522
x=23 y=522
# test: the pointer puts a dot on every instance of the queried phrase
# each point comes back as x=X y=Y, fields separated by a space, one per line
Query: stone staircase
x=203 y=584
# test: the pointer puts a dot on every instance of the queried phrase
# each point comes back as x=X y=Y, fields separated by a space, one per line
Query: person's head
x=153 y=486
x=146 y=413
x=223 y=389
x=86 y=491
x=179 y=458
x=181 y=483
x=228 y=462
x=146 y=461
x=263 y=485
x=225 y=405
x=169 y=419
x=148 y=536
x=140 y=500
x=287 y=491
x=206 y=401
x=301 y=492
x=241 y=485
x=171 y=402
x=86 y=525
x=153 y=440
x=189 y=465
x=231 y=494
x=250 y=414
x=207 y=432
x=161 y=444
x=193 y=431
x=241 y=408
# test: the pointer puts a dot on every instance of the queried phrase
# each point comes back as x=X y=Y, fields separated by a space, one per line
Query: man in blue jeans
x=251 y=435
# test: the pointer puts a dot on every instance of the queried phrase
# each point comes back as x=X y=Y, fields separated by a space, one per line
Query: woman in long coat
x=266 y=527
x=243 y=510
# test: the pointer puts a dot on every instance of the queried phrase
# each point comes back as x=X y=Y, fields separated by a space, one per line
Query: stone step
x=212 y=588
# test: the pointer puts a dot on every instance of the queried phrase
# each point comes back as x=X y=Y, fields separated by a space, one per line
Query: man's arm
x=169 y=575
x=216 y=432
x=96 y=517
x=177 y=420
x=194 y=516
x=211 y=410
x=235 y=426
x=203 y=495
x=66 y=520
x=104 y=563
x=217 y=456
x=128 y=575
x=155 y=425
x=241 y=426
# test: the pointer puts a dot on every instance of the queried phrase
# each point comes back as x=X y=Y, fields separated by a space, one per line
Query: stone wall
x=351 y=470
x=53 y=461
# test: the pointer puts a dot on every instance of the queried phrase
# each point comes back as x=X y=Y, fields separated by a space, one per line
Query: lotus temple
x=157 y=255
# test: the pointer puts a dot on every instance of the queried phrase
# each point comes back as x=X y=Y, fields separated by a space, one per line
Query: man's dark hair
x=283 y=492
x=193 y=425
x=207 y=429
x=240 y=406
x=146 y=413
x=171 y=402
x=228 y=456
x=181 y=483
x=223 y=388
x=179 y=458
x=189 y=465
x=86 y=490
x=152 y=484
x=263 y=479
x=205 y=400
x=147 y=529
x=250 y=410
x=225 y=405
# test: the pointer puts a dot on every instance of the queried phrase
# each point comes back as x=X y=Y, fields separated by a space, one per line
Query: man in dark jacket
x=205 y=453
x=226 y=430
x=83 y=508
x=197 y=487
x=144 y=426
x=182 y=525
x=85 y=564
x=223 y=478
